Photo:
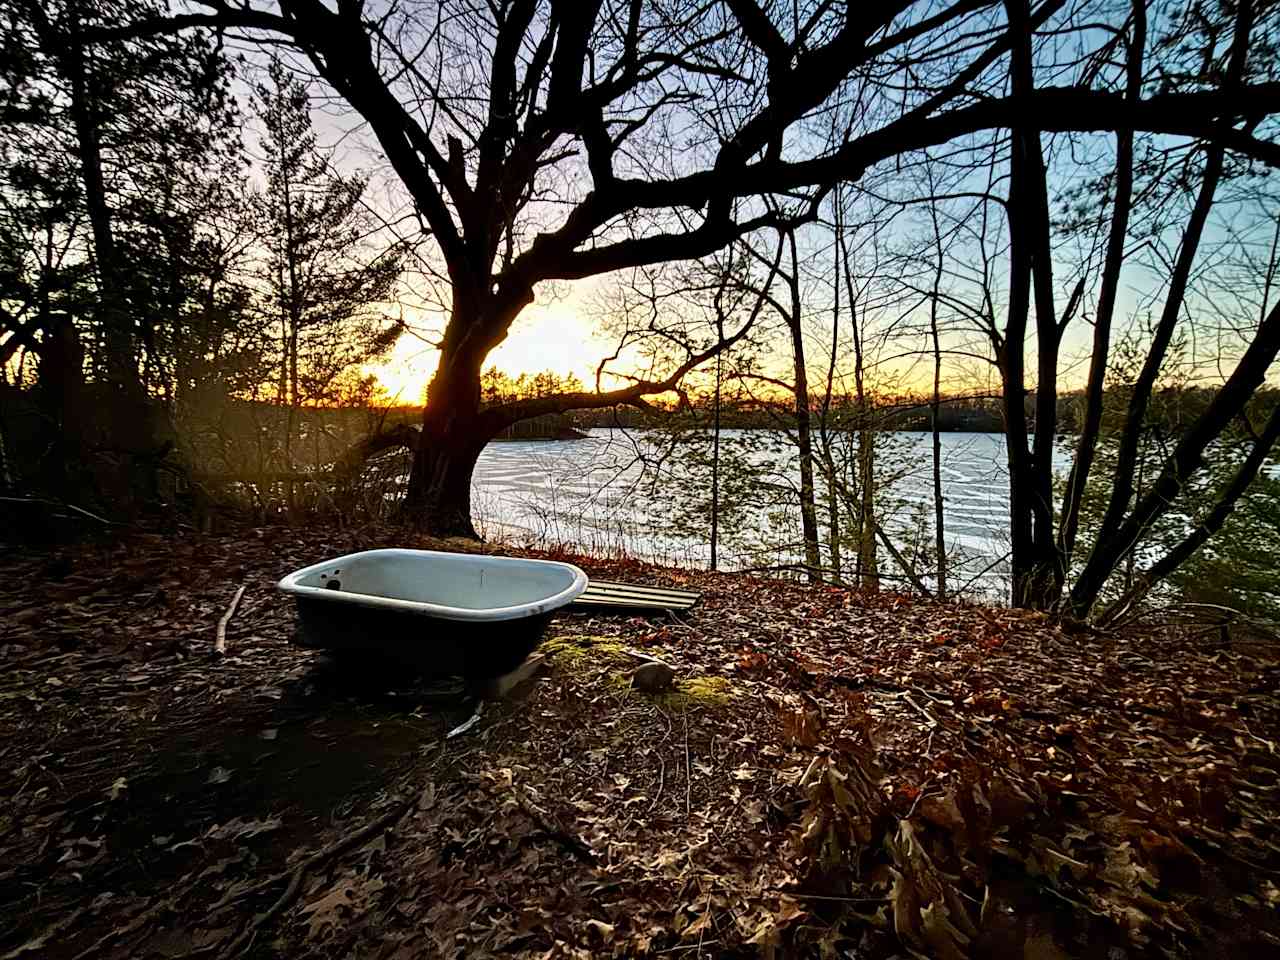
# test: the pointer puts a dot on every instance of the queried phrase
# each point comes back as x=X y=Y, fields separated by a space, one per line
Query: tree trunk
x=439 y=497
x=113 y=313
x=804 y=427
x=128 y=422
x=291 y=427
x=715 y=465
x=867 y=571
x=939 y=510
x=1012 y=369
x=808 y=508
x=61 y=393
x=868 y=564
x=1037 y=566
x=824 y=423
x=935 y=409
x=454 y=432
x=1037 y=571
x=833 y=518
x=1122 y=487
x=1122 y=491
x=293 y=321
x=1091 y=426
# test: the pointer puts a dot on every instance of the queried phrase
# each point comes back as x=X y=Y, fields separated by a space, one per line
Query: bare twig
x=220 y=644
x=641 y=656
x=793 y=895
x=40 y=501
x=686 y=949
x=902 y=562
x=688 y=769
x=662 y=780
x=933 y=722
x=567 y=840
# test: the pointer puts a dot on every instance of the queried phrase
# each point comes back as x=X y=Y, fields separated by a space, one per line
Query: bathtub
x=439 y=613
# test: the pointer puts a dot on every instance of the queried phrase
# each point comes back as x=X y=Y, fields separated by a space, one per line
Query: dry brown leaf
x=349 y=894
x=240 y=829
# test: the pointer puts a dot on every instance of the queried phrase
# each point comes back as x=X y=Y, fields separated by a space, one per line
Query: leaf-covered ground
x=834 y=774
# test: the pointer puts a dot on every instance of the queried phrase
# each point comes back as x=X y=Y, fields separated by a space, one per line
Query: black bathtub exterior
x=477 y=651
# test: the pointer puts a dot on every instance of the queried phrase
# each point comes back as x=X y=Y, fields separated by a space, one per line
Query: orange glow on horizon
x=562 y=338
x=552 y=337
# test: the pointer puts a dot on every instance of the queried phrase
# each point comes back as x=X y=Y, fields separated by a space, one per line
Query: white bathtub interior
x=459 y=581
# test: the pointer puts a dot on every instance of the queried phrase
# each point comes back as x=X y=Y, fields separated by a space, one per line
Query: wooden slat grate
x=641 y=593
x=606 y=595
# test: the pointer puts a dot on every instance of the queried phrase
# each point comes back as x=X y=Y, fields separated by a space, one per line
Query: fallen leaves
x=874 y=776
x=346 y=898
x=241 y=829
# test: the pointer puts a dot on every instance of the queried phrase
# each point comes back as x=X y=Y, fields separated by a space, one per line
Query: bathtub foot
x=501 y=687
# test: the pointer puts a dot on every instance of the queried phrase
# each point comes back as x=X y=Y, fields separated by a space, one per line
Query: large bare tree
x=565 y=139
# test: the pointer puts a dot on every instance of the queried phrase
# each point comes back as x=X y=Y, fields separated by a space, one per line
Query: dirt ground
x=833 y=774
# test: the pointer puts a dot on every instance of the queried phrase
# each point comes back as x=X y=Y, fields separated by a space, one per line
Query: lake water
x=616 y=492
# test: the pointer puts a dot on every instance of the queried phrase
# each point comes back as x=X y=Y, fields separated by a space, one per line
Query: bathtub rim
x=290 y=585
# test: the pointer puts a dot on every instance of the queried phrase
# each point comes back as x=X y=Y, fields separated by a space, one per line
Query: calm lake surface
x=614 y=491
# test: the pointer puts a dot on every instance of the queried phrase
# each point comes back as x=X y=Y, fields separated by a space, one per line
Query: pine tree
x=323 y=281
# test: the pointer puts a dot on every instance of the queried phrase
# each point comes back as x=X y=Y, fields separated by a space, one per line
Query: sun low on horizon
x=562 y=338
x=553 y=338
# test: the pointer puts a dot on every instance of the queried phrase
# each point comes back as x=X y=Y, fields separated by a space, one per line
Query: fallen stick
x=554 y=831
x=220 y=644
x=933 y=721
x=688 y=770
x=639 y=655
x=662 y=781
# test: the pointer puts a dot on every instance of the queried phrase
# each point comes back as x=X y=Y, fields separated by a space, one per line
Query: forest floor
x=834 y=774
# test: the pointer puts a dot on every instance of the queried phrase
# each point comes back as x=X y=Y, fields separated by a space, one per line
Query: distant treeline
x=974 y=415
x=1169 y=412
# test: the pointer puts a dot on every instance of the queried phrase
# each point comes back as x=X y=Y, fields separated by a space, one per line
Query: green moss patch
x=690 y=693
x=578 y=651
x=581 y=652
x=699 y=692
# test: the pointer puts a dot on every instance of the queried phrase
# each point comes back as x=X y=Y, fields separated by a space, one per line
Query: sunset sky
x=563 y=337
x=555 y=337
